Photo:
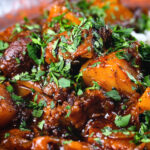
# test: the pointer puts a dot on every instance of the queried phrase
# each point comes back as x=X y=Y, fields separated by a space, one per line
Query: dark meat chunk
x=106 y=35
x=114 y=141
x=15 y=59
x=75 y=111
x=58 y=94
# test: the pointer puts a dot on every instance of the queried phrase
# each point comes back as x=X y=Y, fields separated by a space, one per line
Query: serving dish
x=75 y=75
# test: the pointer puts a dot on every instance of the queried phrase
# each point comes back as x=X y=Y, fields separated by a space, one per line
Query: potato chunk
x=110 y=72
x=7 y=110
x=116 y=11
x=144 y=101
x=58 y=10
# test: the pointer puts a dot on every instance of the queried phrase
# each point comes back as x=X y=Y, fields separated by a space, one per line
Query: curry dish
x=75 y=78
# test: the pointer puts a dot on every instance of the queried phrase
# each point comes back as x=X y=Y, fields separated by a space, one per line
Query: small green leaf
x=17 y=28
x=64 y=83
x=41 y=124
x=67 y=142
x=80 y=92
x=94 y=87
x=6 y=135
x=10 y=88
x=147 y=81
x=3 y=45
x=52 y=105
x=37 y=113
x=107 y=131
x=96 y=64
x=114 y=95
x=132 y=78
x=122 y=121
x=22 y=126
x=98 y=140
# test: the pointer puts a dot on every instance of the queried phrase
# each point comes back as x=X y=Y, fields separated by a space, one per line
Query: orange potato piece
x=41 y=143
x=58 y=10
x=7 y=110
x=110 y=73
x=144 y=101
x=116 y=12
x=76 y=146
x=29 y=84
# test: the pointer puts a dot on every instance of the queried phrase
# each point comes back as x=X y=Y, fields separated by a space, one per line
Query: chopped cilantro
x=143 y=23
x=23 y=127
x=52 y=105
x=80 y=92
x=114 y=95
x=6 y=135
x=35 y=48
x=123 y=55
x=132 y=78
x=26 y=19
x=98 y=141
x=41 y=124
x=107 y=131
x=95 y=86
x=64 y=83
x=91 y=135
x=144 y=51
x=123 y=107
x=68 y=107
x=2 y=79
x=96 y=64
x=122 y=121
x=37 y=113
x=3 y=45
x=18 y=60
x=17 y=29
x=18 y=99
x=10 y=88
x=32 y=27
x=146 y=81
x=67 y=142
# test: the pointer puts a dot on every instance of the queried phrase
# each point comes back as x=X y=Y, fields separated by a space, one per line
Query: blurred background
x=12 y=11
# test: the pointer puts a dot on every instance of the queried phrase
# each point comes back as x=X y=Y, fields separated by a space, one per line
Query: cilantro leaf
x=23 y=127
x=37 y=113
x=107 y=131
x=67 y=142
x=10 y=88
x=64 y=83
x=41 y=124
x=33 y=50
x=146 y=81
x=132 y=78
x=94 y=87
x=6 y=135
x=3 y=45
x=122 y=121
x=114 y=95
x=52 y=105
x=144 y=50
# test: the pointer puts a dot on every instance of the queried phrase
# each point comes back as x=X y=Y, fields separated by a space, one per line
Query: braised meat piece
x=7 y=108
x=15 y=59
